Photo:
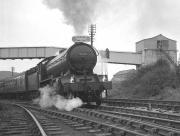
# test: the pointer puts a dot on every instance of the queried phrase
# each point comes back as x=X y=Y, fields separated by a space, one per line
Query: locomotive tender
x=70 y=73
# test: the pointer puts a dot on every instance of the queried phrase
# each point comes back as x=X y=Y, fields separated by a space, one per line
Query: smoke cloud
x=78 y=13
x=49 y=98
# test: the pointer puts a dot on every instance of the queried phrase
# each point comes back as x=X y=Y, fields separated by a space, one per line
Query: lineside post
x=92 y=31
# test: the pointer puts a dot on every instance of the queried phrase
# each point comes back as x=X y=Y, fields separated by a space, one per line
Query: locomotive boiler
x=78 y=59
x=70 y=73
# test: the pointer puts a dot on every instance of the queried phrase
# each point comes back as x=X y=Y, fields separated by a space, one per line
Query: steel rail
x=171 y=102
x=141 y=112
x=162 y=130
x=42 y=132
x=141 y=104
x=110 y=127
x=150 y=101
x=160 y=121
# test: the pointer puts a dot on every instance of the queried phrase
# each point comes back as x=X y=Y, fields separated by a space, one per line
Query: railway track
x=114 y=124
x=40 y=124
x=165 y=105
x=53 y=126
x=103 y=121
x=92 y=126
x=151 y=128
x=170 y=116
x=18 y=121
x=148 y=101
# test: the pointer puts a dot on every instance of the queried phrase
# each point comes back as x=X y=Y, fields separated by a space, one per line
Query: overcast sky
x=120 y=23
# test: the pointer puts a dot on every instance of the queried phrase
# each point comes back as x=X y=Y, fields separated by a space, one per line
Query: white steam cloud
x=78 y=13
x=49 y=98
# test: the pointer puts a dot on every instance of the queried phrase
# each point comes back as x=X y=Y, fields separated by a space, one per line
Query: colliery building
x=155 y=48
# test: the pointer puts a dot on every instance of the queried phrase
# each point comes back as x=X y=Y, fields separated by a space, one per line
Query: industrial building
x=155 y=48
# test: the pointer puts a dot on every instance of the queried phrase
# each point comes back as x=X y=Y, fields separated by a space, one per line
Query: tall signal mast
x=92 y=31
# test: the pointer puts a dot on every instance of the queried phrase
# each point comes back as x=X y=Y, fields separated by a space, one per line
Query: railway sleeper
x=131 y=124
x=96 y=125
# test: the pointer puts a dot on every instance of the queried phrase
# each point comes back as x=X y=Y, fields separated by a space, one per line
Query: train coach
x=70 y=73
x=21 y=86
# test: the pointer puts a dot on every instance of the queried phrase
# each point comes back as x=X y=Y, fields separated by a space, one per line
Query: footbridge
x=129 y=58
x=28 y=52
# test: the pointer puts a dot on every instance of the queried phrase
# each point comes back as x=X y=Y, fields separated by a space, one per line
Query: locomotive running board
x=46 y=81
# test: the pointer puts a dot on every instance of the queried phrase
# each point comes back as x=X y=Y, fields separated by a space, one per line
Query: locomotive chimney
x=81 y=38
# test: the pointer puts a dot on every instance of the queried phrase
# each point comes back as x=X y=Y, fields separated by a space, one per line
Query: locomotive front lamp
x=72 y=79
x=104 y=79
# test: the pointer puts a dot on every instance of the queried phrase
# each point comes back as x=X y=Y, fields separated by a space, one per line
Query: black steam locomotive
x=70 y=73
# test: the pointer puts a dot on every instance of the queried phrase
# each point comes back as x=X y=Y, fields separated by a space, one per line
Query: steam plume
x=78 y=13
x=49 y=98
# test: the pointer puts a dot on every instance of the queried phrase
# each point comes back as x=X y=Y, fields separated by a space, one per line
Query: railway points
x=43 y=124
x=106 y=120
x=93 y=126
x=130 y=122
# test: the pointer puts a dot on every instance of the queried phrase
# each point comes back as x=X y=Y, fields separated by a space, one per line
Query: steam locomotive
x=70 y=73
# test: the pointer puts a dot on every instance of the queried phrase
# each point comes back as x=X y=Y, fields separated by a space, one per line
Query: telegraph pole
x=92 y=31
